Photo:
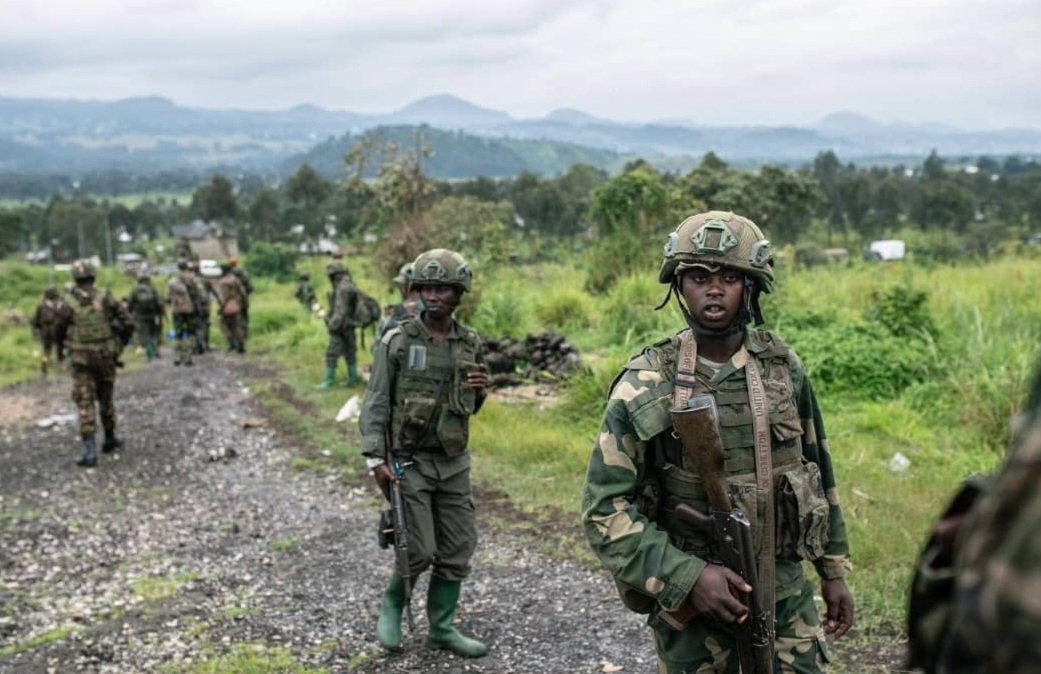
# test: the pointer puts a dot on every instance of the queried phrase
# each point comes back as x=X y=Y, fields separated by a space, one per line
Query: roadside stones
x=545 y=357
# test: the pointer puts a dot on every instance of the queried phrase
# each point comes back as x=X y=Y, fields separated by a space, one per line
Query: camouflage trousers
x=233 y=330
x=708 y=648
x=202 y=332
x=440 y=513
x=184 y=333
x=94 y=378
x=341 y=345
x=50 y=341
x=146 y=332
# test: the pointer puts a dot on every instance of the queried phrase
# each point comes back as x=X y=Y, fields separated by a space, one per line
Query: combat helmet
x=304 y=276
x=335 y=268
x=82 y=269
x=440 y=266
x=720 y=239
x=403 y=274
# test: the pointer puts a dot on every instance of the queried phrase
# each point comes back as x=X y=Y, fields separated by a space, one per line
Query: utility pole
x=108 y=241
x=79 y=238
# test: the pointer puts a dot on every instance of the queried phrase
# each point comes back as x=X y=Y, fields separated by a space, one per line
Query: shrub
x=564 y=307
x=273 y=261
x=902 y=311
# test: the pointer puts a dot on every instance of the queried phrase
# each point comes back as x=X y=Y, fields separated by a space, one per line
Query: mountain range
x=153 y=134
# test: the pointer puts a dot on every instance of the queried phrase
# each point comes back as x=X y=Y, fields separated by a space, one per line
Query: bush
x=564 y=308
x=902 y=311
x=630 y=306
x=272 y=261
x=501 y=315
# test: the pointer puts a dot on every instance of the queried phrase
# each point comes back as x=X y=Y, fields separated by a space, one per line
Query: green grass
x=157 y=588
x=246 y=659
x=50 y=636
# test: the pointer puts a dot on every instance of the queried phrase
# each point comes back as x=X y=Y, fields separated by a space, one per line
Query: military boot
x=352 y=375
x=330 y=378
x=112 y=442
x=90 y=453
x=388 y=627
x=442 y=597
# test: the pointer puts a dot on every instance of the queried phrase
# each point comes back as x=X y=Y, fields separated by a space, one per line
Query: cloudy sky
x=968 y=63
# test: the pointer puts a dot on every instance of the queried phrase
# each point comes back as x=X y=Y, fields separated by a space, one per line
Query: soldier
x=774 y=444
x=183 y=301
x=427 y=380
x=203 y=298
x=231 y=297
x=974 y=602
x=410 y=304
x=343 y=298
x=305 y=291
x=247 y=283
x=146 y=307
x=96 y=325
x=47 y=319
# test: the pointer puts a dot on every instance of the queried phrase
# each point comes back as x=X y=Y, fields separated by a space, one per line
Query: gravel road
x=200 y=536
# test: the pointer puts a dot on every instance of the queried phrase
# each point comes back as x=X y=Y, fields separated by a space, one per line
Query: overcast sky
x=969 y=63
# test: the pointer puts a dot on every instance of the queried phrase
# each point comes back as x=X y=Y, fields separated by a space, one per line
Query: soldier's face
x=439 y=300
x=713 y=297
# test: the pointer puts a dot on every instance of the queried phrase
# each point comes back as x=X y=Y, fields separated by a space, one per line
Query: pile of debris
x=545 y=358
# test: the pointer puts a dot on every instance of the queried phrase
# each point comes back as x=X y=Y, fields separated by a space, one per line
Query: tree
x=12 y=231
x=630 y=202
x=215 y=200
x=784 y=202
x=264 y=215
x=308 y=191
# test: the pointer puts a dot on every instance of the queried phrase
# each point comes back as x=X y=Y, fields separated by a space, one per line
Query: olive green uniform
x=147 y=308
x=342 y=341
x=48 y=325
x=418 y=388
x=183 y=302
x=305 y=294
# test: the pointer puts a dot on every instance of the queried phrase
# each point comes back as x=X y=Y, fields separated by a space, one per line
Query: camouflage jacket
x=231 y=296
x=305 y=294
x=49 y=314
x=637 y=468
x=417 y=386
x=997 y=598
x=342 y=301
x=91 y=321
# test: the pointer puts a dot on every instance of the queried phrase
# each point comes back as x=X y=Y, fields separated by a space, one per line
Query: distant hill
x=152 y=134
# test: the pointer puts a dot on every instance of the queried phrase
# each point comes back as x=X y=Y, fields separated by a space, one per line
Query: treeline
x=387 y=198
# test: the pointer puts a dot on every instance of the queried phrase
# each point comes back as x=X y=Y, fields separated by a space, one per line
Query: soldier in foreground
x=304 y=292
x=181 y=298
x=660 y=490
x=343 y=299
x=427 y=380
x=975 y=596
x=147 y=309
x=46 y=321
x=96 y=325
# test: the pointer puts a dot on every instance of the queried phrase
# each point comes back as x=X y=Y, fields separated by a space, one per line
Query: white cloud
x=965 y=62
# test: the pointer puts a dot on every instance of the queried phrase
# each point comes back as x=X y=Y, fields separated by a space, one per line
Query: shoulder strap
x=764 y=487
x=684 y=382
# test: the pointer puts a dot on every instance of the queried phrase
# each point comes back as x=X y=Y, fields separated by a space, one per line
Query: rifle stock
x=397 y=518
x=729 y=532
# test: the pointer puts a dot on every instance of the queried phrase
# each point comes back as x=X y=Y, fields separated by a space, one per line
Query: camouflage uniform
x=343 y=299
x=247 y=285
x=147 y=308
x=305 y=292
x=231 y=297
x=183 y=302
x=47 y=324
x=418 y=389
x=638 y=473
x=203 y=303
x=93 y=350
x=994 y=617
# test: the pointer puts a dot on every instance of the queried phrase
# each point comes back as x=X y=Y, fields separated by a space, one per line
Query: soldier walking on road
x=147 y=309
x=428 y=378
x=231 y=297
x=343 y=299
x=46 y=323
x=776 y=468
x=96 y=324
x=203 y=304
x=247 y=285
x=181 y=297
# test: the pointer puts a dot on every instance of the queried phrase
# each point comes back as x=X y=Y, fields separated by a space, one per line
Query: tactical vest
x=801 y=510
x=145 y=299
x=90 y=327
x=431 y=404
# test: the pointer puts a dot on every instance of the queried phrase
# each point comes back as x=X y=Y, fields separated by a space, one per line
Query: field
x=925 y=362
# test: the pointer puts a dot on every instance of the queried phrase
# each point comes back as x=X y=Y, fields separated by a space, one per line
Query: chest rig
x=431 y=402
x=90 y=323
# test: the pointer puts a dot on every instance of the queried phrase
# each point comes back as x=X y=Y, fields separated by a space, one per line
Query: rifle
x=729 y=532
x=393 y=528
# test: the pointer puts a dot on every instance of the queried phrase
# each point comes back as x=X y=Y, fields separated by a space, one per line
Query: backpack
x=367 y=311
x=180 y=297
x=146 y=299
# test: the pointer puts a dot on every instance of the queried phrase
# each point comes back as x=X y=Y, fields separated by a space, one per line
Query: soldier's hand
x=477 y=378
x=839 y=607
x=715 y=594
x=384 y=477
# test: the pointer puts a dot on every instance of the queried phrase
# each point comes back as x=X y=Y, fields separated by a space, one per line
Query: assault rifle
x=393 y=528
x=729 y=532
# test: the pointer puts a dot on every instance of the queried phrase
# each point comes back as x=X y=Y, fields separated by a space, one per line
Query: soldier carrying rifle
x=711 y=482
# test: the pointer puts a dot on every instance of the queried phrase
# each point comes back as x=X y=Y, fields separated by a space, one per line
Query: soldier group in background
x=46 y=325
x=146 y=306
x=232 y=299
x=343 y=302
x=97 y=327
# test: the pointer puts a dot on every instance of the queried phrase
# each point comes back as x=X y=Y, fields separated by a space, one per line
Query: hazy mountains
x=153 y=134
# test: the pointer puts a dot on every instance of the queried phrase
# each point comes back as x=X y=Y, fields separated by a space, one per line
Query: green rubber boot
x=442 y=597
x=388 y=627
x=352 y=375
x=330 y=378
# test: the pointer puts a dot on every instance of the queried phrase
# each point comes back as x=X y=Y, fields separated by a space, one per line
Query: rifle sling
x=764 y=489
